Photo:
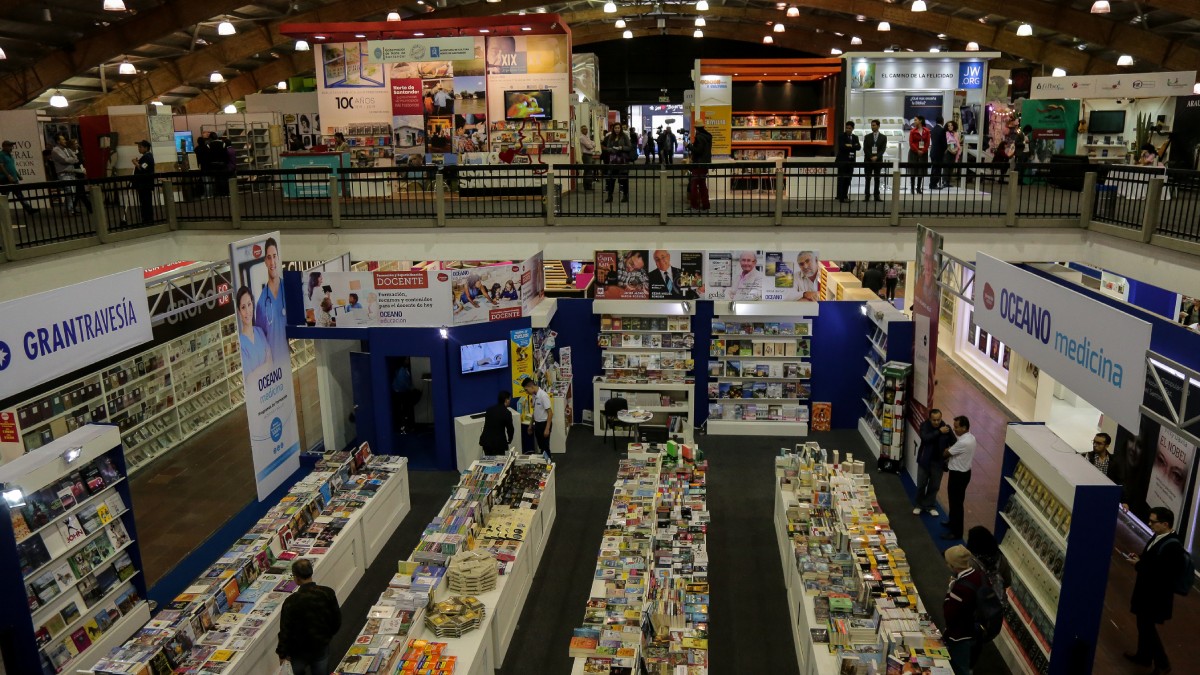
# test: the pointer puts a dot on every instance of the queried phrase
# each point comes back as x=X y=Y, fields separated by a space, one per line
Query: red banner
x=406 y=97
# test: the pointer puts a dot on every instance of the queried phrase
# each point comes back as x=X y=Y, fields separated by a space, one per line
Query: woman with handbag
x=616 y=153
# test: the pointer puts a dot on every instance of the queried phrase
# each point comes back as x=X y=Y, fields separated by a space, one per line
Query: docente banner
x=1095 y=350
x=520 y=344
x=57 y=332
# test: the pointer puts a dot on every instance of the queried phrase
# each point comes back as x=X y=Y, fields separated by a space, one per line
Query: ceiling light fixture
x=216 y=77
x=702 y=6
x=318 y=37
x=526 y=28
x=231 y=109
x=1101 y=7
x=835 y=51
x=918 y=6
x=972 y=46
x=157 y=104
x=226 y=28
x=1082 y=47
x=610 y=7
x=793 y=11
x=856 y=40
x=1058 y=72
x=778 y=28
x=698 y=33
x=768 y=40
x=860 y=18
x=700 y=22
x=302 y=45
x=58 y=100
x=360 y=36
x=1125 y=60
x=941 y=36
x=484 y=30
x=621 y=23
x=934 y=50
x=3 y=56
x=393 y=16
x=114 y=5
x=126 y=68
x=1024 y=30
x=884 y=27
x=418 y=34
x=281 y=85
x=627 y=34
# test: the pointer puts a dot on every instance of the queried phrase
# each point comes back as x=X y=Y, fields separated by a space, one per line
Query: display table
x=334 y=161
x=635 y=418
x=466 y=437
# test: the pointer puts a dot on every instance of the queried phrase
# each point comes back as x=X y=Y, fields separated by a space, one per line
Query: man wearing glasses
x=1158 y=568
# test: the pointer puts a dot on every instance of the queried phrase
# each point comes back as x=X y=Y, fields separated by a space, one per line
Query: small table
x=634 y=418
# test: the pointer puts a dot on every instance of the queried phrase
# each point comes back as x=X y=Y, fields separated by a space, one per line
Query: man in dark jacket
x=959 y=608
x=1153 y=599
x=701 y=150
x=873 y=278
x=498 y=429
x=847 y=149
x=309 y=619
x=937 y=153
x=936 y=436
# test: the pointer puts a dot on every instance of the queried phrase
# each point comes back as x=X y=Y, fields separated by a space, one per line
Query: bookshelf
x=647 y=360
x=70 y=555
x=157 y=399
x=759 y=373
x=773 y=129
x=885 y=392
x=370 y=144
x=1056 y=568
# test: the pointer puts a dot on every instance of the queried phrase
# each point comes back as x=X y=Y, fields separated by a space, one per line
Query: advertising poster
x=904 y=74
x=522 y=55
x=926 y=306
x=57 y=332
x=623 y=275
x=520 y=344
x=927 y=105
x=1055 y=124
x=256 y=267
x=21 y=127
x=480 y=294
x=379 y=298
x=736 y=275
x=1155 y=467
x=676 y=275
x=424 y=49
x=533 y=284
x=1172 y=473
x=351 y=89
x=791 y=276
x=714 y=110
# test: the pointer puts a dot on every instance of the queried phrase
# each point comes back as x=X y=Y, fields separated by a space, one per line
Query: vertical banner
x=926 y=306
x=1184 y=152
x=520 y=344
x=1171 y=476
x=255 y=264
x=21 y=127
x=714 y=110
x=1055 y=123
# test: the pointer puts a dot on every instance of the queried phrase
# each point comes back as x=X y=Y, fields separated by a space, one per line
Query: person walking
x=308 y=621
x=952 y=155
x=497 y=434
x=874 y=146
x=936 y=437
x=143 y=181
x=649 y=147
x=937 y=153
x=587 y=151
x=543 y=415
x=1153 y=600
x=891 y=276
x=918 y=153
x=959 y=606
x=848 y=147
x=81 y=193
x=958 y=462
x=10 y=178
x=1021 y=153
x=701 y=150
x=666 y=146
x=616 y=154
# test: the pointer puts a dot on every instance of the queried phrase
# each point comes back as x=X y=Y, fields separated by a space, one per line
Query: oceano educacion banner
x=1095 y=350
x=54 y=333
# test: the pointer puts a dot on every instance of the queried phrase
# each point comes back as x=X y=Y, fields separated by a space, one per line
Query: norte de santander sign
x=1096 y=351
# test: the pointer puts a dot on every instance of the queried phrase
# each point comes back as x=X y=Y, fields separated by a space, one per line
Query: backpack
x=1187 y=575
x=989 y=610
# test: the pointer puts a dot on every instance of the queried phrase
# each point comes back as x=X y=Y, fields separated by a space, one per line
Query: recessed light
x=418 y=35
x=360 y=36
x=318 y=37
x=484 y=30
x=526 y=28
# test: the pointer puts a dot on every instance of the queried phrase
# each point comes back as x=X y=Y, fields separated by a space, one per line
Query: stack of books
x=455 y=617
x=472 y=572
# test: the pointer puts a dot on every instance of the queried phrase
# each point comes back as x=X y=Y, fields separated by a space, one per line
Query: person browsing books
x=542 y=417
x=959 y=607
x=497 y=434
x=309 y=620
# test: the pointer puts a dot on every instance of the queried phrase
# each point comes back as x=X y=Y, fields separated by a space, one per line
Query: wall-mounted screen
x=1106 y=122
x=484 y=356
x=529 y=104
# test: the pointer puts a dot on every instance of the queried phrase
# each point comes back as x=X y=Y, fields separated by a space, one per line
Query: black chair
x=611 y=407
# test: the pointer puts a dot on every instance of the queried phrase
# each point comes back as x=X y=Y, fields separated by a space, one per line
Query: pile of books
x=217 y=617
x=455 y=616
x=472 y=572
x=426 y=658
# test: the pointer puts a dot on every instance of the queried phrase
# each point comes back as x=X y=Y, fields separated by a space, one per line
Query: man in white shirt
x=543 y=413
x=748 y=284
x=959 y=457
x=587 y=150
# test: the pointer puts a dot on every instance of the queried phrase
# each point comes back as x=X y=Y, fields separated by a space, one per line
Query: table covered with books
x=227 y=620
x=854 y=606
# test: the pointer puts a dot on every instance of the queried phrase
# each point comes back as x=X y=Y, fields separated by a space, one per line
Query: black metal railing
x=201 y=197
x=1121 y=196
x=286 y=194
x=48 y=213
x=742 y=189
x=812 y=189
x=504 y=191
x=132 y=202
x=617 y=190
x=953 y=190
x=1048 y=190
x=1180 y=214
x=388 y=193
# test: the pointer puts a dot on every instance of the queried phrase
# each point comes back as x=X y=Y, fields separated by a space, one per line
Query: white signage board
x=1095 y=350
x=21 y=127
x=425 y=49
x=905 y=74
x=1129 y=85
x=57 y=332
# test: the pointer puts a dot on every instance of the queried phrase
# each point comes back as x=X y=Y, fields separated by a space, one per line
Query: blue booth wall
x=475 y=392
x=1141 y=294
x=841 y=338
x=577 y=328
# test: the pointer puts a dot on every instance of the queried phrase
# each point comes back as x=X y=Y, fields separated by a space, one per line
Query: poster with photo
x=737 y=275
x=1172 y=473
x=926 y=309
x=438 y=95
x=438 y=135
x=378 y=298
x=479 y=294
x=470 y=94
x=791 y=275
x=520 y=55
x=470 y=133
x=676 y=275
x=623 y=275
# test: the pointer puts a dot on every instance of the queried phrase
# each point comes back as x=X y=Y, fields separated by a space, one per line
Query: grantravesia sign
x=1095 y=350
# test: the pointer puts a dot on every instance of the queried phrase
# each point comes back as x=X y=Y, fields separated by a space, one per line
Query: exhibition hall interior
x=313 y=309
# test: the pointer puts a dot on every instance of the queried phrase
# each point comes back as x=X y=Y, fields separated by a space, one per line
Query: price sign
x=103 y=513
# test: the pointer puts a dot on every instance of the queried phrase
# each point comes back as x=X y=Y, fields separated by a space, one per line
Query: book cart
x=71 y=554
x=1059 y=563
x=496 y=524
x=646 y=359
x=648 y=607
x=339 y=516
x=759 y=371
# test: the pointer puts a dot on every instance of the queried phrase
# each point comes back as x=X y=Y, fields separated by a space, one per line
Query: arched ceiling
x=175 y=46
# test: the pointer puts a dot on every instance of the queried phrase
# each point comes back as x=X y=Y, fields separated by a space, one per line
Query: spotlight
x=702 y=6
x=1059 y=72
x=972 y=46
x=700 y=22
x=620 y=23
x=231 y=109
x=302 y=45
x=1125 y=60
x=58 y=100
x=793 y=12
x=225 y=28
x=72 y=454
x=698 y=33
x=778 y=28
x=216 y=77
x=918 y=6
x=1101 y=7
x=856 y=40
x=884 y=27
x=627 y=34
x=610 y=7
x=281 y=85
x=114 y=5
x=1024 y=30
x=393 y=16
x=444 y=333
x=767 y=40
x=835 y=51
x=863 y=308
x=14 y=497
x=126 y=68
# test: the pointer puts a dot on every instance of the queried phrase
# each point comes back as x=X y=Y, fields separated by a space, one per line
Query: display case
x=1058 y=570
x=73 y=585
x=758 y=376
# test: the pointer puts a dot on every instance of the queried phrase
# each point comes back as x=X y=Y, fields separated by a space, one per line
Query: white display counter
x=466 y=437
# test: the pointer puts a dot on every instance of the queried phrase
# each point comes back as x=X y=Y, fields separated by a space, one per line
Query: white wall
x=336 y=391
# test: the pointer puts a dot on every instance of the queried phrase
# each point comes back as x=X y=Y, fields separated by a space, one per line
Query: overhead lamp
x=855 y=40
x=226 y=28
x=302 y=45
x=526 y=28
x=698 y=33
x=778 y=28
x=1082 y=47
x=126 y=68
x=918 y=6
x=444 y=333
x=1024 y=30
x=493 y=1
x=231 y=109
x=627 y=34
x=972 y=46
x=360 y=36
x=934 y=50
x=1058 y=72
x=14 y=497
x=793 y=12
x=884 y=26
x=1101 y=7
x=393 y=16
x=610 y=7
x=768 y=40
x=702 y=6
x=58 y=100
x=216 y=77
x=1125 y=60
x=72 y=454
x=114 y=5
x=700 y=22
x=3 y=56
x=418 y=34
x=835 y=51
x=621 y=23
x=281 y=85
x=860 y=18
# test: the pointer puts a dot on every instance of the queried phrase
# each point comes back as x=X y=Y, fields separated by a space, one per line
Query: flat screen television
x=1106 y=122
x=183 y=141
x=528 y=104
x=482 y=356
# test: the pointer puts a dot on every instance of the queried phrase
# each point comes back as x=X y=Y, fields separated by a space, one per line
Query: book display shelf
x=772 y=129
x=158 y=398
x=647 y=360
x=886 y=379
x=1057 y=568
x=71 y=556
x=498 y=518
x=227 y=620
x=853 y=602
x=759 y=372
x=648 y=606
